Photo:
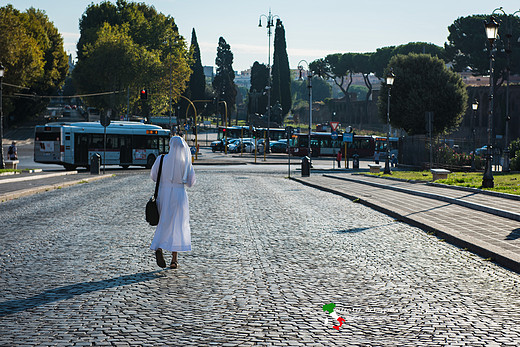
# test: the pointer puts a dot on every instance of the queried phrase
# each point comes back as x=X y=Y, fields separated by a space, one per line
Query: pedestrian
x=376 y=157
x=173 y=232
x=338 y=159
x=394 y=160
x=12 y=152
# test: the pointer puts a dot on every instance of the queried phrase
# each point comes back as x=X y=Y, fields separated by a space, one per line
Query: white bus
x=73 y=144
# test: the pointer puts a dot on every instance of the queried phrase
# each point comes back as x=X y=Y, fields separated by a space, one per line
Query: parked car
x=219 y=145
x=278 y=147
x=239 y=146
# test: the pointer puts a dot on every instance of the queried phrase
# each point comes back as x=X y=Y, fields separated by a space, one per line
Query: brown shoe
x=160 y=258
x=174 y=265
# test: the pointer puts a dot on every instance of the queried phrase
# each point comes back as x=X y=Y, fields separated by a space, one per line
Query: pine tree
x=224 y=81
x=281 y=85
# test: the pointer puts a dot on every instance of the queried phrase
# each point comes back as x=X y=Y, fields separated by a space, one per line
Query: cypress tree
x=281 y=85
x=197 y=84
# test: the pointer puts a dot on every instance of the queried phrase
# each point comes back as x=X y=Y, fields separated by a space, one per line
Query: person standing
x=12 y=152
x=338 y=159
x=376 y=157
x=173 y=232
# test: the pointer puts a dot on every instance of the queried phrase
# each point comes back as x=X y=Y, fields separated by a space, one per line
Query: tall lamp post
x=474 y=107
x=389 y=82
x=269 y=18
x=2 y=165
x=509 y=35
x=309 y=76
x=491 y=33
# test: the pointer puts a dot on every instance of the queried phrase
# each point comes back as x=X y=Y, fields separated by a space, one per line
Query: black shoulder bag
x=152 y=211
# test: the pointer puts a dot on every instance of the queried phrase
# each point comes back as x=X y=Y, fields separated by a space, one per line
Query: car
x=278 y=147
x=239 y=146
x=217 y=145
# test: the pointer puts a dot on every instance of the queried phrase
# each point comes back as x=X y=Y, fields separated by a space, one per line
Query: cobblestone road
x=75 y=269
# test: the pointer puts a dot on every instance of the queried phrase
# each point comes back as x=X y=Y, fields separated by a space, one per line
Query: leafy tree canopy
x=423 y=83
x=130 y=45
x=33 y=57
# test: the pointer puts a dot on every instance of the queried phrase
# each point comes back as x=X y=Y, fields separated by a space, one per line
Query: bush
x=514 y=165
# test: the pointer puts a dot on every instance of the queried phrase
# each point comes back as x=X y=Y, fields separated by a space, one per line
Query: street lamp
x=2 y=165
x=389 y=82
x=509 y=35
x=491 y=32
x=474 y=107
x=269 y=18
x=309 y=76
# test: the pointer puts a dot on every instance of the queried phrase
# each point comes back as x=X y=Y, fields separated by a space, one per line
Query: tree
x=130 y=46
x=379 y=60
x=281 y=74
x=33 y=58
x=257 y=92
x=224 y=81
x=423 y=83
x=338 y=68
x=197 y=86
x=361 y=64
x=468 y=46
x=321 y=90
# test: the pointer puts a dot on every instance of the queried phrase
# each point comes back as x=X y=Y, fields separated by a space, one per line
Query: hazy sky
x=313 y=28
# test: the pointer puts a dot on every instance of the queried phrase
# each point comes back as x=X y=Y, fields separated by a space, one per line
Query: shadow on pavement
x=515 y=234
x=67 y=292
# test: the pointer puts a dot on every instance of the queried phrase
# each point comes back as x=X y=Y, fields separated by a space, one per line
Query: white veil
x=178 y=161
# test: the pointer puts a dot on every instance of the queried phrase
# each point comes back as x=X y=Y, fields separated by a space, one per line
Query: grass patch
x=10 y=170
x=504 y=182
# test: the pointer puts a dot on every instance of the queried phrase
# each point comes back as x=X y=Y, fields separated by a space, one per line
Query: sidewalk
x=23 y=184
x=486 y=224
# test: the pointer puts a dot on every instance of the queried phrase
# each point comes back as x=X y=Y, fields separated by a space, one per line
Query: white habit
x=173 y=231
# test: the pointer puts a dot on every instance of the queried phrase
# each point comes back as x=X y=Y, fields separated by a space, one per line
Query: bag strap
x=158 y=179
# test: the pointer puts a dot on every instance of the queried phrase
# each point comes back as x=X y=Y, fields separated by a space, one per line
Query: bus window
x=95 y=141
x=139 y=142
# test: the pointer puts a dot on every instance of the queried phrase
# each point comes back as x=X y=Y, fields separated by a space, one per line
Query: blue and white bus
x=73 y=144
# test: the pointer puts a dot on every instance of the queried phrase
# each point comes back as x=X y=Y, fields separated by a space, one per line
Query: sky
x=314 y=28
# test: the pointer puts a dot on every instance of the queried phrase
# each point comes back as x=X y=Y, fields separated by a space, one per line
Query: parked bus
x=381 y=145
x=236 y=132
x=322 y=144
x=73 y=144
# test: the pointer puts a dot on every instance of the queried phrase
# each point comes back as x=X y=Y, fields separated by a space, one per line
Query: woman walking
x=173 y=231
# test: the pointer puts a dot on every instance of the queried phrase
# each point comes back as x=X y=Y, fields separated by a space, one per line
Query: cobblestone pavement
x=268 y=253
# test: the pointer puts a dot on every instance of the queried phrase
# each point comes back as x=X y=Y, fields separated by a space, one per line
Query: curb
x=32 y=191
x=464 y=243
x=37 y=177
x=474 y=206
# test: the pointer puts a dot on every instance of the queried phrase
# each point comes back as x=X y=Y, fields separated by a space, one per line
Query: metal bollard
x=95 y=164
x=306 y=167
x=355 y=161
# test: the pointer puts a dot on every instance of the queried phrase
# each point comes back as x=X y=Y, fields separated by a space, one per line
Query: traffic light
x=144 y=94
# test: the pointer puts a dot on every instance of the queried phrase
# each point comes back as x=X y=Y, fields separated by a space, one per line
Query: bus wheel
x=125 y=166
x=69 y=167
x=150 y=161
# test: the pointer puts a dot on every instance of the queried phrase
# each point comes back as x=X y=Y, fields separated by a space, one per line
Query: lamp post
x=491 y=33
x=474 y=107
x=2 y=165
x=309 y=76
x=509 y=35
x=389 y=82
x=269 y=18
